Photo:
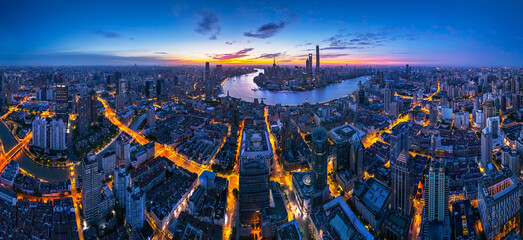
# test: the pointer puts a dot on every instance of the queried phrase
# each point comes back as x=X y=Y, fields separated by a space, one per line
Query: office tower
x=62 y=100
x=151 y=117
x=161 y=91
x=516 y=99
x=503 y=102
x=401 y=183
x=309 y=65
x=348 y=152
x=91 y=189
x=493 y=126
x=149 y=89
x=218 y=71
x=318 y=70
x=489 y=110
x=119 y=102
x=287 y=136
x=407 y=70
x=207 y=71
x=253 y=188
x=317 y=58
x=57 y=135
x=436 y=195
x=486 y=148
x=40 y=132
x=388 y=97
x=319 y=157
x=499 y=204
x=135 y=210
x=356 y=156
x=123 y=150
x=121 y=86
x=84 y=115
x=399 y=142
x=122 y=180
x=433 y=114
x=93 y=107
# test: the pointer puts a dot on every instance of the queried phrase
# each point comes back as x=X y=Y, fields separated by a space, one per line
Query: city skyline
x=356 y=33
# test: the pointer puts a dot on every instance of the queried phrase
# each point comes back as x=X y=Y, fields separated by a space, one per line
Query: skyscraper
x=135 y=210
x=57 y=135
x=493 y=126
x=318 y=70
x=319 y=157
x=149 y=89
x=40 y=132
x=489 y=110
x=151 y=117
x=121 y=86
x=401 y=183
x=62 y=102
x=388 y=97
x=161 y=91
x=356 y=156
x=436 y=195
x=123 y=150
x=91 y=188
x=253 y=188
x=122 y=180
x=399 y=142
x=93 y=107
x=486 y=148
x=317 y=58
x=84 y=114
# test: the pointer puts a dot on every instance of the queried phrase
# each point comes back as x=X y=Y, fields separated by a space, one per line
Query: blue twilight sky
x=465 y=33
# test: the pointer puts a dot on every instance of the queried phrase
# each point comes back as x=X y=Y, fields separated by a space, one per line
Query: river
x=41 y=171
x=241 y=87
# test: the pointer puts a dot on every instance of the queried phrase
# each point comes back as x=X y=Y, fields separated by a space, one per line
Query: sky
x=432 y=33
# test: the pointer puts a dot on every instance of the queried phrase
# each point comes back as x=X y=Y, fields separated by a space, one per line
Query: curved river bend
x=41 y=171
x=241 y=87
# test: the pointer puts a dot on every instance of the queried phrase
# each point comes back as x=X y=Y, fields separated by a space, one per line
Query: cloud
x=160 y=52
x=334 y=55
x=230 y=43
x=229 y=56
x=269 y=55
x=107 y=34
x=209 y=24
x=266 y=30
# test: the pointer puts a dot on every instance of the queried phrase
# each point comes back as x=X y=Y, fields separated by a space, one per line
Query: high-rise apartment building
x=486 y=148
x=436 y=195
x=57 y=135
x=40 y=133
